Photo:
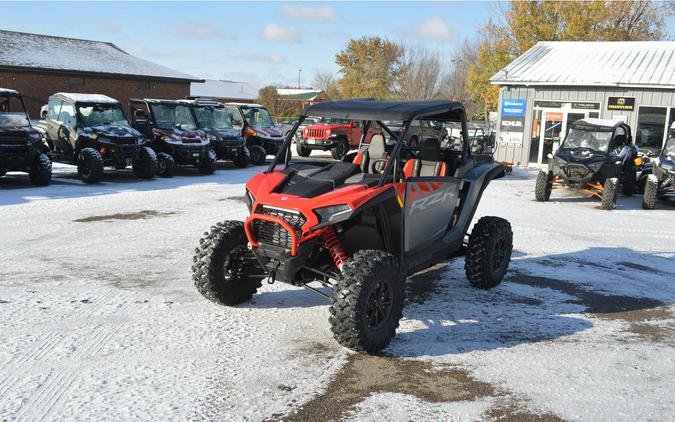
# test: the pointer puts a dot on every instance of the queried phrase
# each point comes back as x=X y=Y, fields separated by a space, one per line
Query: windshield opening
x=597 y=140
x=213 y=118
x=258 y=117
x=12 y=113
x=173 y=116
x=101 y=115
x=332 y=121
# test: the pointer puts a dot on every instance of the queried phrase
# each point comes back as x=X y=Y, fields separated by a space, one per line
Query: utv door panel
x=429 y=205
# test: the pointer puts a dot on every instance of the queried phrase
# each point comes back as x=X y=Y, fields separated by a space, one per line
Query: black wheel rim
x=379 y=304
x=499 y=254
x=342 y=150
x=235 y=262
x=257 y=156
x=162 y=166
x=85 y=166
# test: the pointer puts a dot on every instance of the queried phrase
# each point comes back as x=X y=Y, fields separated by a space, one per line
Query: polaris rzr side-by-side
x=215 y=119
x=660 y=184
x=91 y=131
x=596 y=157
x=360 y=226
x=173 y=133
x=262 y=136
x=22 y=147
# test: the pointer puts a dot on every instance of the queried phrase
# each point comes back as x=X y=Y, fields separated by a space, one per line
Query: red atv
x=337 y=135
x=362 y=225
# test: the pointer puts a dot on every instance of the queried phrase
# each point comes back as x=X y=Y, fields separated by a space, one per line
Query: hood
x=183 y=133
x=112 y=131
x=18 y=131
x=269 y=132
x=223 y=133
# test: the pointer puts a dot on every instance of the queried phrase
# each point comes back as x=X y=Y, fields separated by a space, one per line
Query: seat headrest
x=140 y=114
x=376 y=148
x=430 y=150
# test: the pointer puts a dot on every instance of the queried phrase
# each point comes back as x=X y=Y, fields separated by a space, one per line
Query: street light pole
x=299 y=70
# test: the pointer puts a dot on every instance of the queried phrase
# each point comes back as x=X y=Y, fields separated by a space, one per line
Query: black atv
x=91 y=131
x=660 y=184
x=262 y=136
x=215 y=119
x=172 y=129
x=22 y=147
x=362 y=225
x=596 y=157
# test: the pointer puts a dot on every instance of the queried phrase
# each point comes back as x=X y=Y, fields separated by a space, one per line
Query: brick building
x=40 y=65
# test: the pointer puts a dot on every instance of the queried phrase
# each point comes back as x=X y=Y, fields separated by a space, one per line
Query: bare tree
x=453 y=86
x=421 y=73
x=327 y=83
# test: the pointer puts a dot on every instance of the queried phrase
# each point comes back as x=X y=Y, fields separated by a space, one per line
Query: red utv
x=172 y=130
x=335 y=135
x=362 y=225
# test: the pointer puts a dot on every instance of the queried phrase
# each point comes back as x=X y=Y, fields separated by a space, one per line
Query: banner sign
x=512 y=124
x=511 y=107
x=621 y=103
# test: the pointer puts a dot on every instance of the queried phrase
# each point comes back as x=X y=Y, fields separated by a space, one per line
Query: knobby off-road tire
x=241 y=161
x=145 y=167
x=258 y=155
x=368 y=301
x=218 y=270
x=629 y=181
x=208 y=166
x=489 y=252
x=609 y=192
x=340 y=150
x=302 y=151
x=542 y=189
x=651 y=192
x=90 y=165
x=166 y=165
x=41 y=170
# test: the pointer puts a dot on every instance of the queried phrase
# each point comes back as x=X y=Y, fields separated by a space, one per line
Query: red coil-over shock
x=334 y=247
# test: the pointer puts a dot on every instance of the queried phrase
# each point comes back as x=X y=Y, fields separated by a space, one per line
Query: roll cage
x=5 y=95
x=369 y=111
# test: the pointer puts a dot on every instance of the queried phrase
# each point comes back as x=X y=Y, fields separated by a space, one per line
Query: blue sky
x=257 y=42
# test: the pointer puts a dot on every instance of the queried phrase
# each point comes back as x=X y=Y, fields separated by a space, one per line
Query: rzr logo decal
x=423 y=199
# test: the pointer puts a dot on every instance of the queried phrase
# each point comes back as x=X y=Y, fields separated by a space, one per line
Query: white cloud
x=274 y=58
x=196 y=29
x=274 y=32
x=144 y=51
x=299 y=11
x=109 y=28
x=435 y=28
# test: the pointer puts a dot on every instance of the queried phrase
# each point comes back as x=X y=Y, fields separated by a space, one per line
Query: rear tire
x=223 y=265
x=340 y=150
x=40 y=171
x=651 y=192
x=258 y=155
x=489 y=252
x=302 y=151
x=90 y=165
x=208 y=166
x=166 y=165
x=609 y=192
x=629 y=181
x=145 y=167
x=542 y=190
x=368 y=301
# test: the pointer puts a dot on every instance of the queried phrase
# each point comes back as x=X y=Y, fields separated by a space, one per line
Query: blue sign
x=511 y=107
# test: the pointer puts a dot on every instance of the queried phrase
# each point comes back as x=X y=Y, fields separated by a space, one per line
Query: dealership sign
x=621 y=103
x=513 y=124
x=511 y=107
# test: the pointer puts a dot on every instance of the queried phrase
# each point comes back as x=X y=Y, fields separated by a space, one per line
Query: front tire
x=489 y=252
x=340 y=150
x=90 y=165
x=241 y=161
x=258 y=155
x=208 y=166
x=542 y=190
x=166 y=165
x=302 y=150
x=224 y=268
x=609 y=194
x=368 y=301
x=145 y=167
x=41 y=170
x=651 y=192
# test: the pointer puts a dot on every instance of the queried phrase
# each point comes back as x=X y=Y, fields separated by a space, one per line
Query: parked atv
x=596 y=157
x=22 y=147
x=361 y=226
x=660 y=184
x=215 y=119
x=172 y=129
x=91 y=131
x=262 y=136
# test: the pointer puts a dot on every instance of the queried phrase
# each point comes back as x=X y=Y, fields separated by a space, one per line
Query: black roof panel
x=387 y=110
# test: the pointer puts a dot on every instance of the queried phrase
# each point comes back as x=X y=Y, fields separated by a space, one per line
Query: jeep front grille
x=314 y=133
x=273 y=233
x=576 y=171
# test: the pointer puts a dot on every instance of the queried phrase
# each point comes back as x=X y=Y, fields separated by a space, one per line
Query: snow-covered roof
x=7 y=92
x=601 y=122
x=231 y=90
x=618 y=63
x=34 y=51
x=87 y=98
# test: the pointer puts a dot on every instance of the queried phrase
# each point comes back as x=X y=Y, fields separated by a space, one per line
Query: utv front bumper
x=186 y=154
x=16 y=156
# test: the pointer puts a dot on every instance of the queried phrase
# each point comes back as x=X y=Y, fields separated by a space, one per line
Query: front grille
x=125 y=141
x=273 y=233
x=314 y=133
x=13 y=140
x=192 y=140
x=576 y=171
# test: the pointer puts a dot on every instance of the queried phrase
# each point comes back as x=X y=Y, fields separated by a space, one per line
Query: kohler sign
x=512 y=124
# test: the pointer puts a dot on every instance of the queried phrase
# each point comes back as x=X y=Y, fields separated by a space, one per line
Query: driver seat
x=430 y=163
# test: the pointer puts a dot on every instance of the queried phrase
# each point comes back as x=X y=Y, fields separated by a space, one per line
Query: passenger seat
x=429 y=164
x=369 y=158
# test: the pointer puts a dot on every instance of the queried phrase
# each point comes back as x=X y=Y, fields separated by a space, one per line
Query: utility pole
x=299 y=70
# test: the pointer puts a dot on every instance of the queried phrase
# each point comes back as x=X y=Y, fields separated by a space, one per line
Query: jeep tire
x=90 y=165
x=224 y=270
x=488 y=252
x=368 y=301
x=41 y=170
x=145 y=166
x=302 y=150
x=542 y=189
x=166 y=165
x=339 y=150
x=651 y=192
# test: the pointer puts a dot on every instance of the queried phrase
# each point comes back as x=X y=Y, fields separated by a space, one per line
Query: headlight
x=249 y=199
x=333 y=214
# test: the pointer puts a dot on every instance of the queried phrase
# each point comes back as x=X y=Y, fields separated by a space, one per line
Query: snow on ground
x=101 y=321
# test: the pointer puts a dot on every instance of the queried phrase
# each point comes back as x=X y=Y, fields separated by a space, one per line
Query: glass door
x=552 y=124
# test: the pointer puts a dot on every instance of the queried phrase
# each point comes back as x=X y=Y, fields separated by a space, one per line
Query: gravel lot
x=100 y=319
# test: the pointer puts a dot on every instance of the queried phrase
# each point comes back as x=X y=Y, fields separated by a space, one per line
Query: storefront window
x=651 y=124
